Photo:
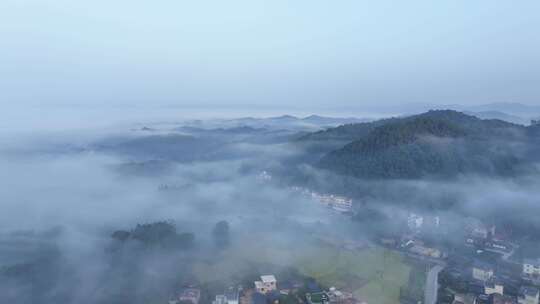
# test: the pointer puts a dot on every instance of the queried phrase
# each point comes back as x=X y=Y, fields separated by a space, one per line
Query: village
x=486 y=267
x=474 y=262
x=483 y=271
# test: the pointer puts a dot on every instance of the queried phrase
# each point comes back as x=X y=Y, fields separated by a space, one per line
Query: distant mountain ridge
x=233 y=130
x=284 y=122
x=500 y=116
x=311 y=119
x=506 y=107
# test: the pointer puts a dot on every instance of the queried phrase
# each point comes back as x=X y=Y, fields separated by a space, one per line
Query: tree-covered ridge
x=436 y=143
x=401 y=133
x=351 y=132
x=534 y=131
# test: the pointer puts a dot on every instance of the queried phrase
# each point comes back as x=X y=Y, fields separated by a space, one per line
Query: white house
x=233 y=295
x=266 y=284
x=426 y=251
x=492 y=287
x=482 y=271
x=342 y=204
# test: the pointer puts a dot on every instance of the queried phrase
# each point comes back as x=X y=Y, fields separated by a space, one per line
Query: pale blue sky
x=268 y=53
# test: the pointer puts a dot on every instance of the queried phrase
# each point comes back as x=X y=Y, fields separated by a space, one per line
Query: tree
x=121 y=235
x=158 y=234
x=221 y=234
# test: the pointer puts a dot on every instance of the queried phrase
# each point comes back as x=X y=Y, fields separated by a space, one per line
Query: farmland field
x=373 y=274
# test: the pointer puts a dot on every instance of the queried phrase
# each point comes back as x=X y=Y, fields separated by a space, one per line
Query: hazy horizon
x=267 y=53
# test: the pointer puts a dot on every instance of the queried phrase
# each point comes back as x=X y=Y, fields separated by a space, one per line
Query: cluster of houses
x=487 y=237
x=481 y=280
x=411 y=241
x=492 y=288
x=337 y=203
x=485 y=284
x=267 y=290
x=497 y=279
x=478 y=235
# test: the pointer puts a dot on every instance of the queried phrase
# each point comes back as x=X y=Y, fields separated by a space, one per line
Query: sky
x=267 y=54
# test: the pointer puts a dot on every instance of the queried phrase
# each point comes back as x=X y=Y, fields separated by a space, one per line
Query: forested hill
x=436 y=143
x=402 y=133
x=534 y=130
x=351 y=132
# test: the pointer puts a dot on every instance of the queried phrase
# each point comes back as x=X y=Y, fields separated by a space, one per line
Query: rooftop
x=268 y=279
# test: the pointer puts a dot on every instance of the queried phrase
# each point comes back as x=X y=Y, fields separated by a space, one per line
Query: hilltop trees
x=158 y=234
x=437 y=143
x=221 y=234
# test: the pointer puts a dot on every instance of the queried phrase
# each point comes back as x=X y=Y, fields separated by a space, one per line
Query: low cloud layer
x=62 y=199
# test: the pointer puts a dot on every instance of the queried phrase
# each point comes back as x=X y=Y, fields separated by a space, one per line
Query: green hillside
x=436 y=143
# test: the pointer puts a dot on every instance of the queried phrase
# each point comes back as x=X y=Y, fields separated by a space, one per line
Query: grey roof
x=268 y=278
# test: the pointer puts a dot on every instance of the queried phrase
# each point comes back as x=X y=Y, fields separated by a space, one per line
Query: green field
x=374 y=274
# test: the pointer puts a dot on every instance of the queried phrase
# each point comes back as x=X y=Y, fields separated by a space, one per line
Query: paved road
x=432 y=286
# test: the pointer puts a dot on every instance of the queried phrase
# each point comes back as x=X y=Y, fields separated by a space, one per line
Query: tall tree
x=221 y=234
